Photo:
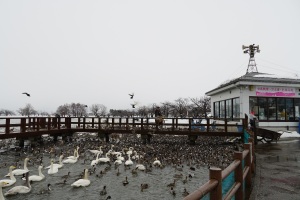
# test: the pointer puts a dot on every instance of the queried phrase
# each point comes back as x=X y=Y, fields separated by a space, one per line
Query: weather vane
x=251 y=50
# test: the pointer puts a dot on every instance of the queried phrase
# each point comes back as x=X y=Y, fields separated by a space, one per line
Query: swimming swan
x=12 y=179
x=39 y=177
x=105 y=159
x=59 y=165
x=2 y=184
x=129 y=161
x=156 y=162
x=71 y=160
x=84 y=181
x=97 y=151
x=20 y=189
x=75 y=154
x=52 y=170
x=95 y=162
x=18 y=172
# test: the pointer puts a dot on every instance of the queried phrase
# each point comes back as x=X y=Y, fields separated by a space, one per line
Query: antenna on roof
x=251 y=50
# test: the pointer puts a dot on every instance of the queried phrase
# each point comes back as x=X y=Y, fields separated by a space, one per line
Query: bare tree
x=180 y=107
x=203 y=105
x=166 y=108
x=98 y=109
x=64 y=110
x=142 y=111
x=27 y=110
x=6 y=112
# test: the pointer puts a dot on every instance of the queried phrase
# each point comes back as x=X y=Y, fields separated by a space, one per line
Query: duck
x=57 y=165
x=18 y=172
x=144 y=186
x=12 y=179
x=83 y=181
x=39 y=177
x=47 y=190
x=20 y=189
x=2 y=184
x=125 y=182
x=103 y=191
x=52 y=170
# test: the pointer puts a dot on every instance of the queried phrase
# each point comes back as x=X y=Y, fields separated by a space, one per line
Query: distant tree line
x=181 y=107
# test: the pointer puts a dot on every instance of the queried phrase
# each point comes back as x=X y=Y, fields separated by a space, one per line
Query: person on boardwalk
x=158 y=117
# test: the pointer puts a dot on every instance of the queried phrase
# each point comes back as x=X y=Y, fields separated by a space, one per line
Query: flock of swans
x=93 y=159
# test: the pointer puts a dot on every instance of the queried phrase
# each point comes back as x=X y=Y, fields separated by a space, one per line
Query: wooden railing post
x=216 y=173
x=23 y=125
x=83 y=123
x=49 y=123
x=7 y=125
x=248 y=180
x=238 y=173
x=251 y=141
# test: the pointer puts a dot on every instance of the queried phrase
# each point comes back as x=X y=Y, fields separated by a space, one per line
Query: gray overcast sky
x=92 y=51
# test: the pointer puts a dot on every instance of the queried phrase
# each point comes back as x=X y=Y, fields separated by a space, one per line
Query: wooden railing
x=35 y=124
x=242 y=175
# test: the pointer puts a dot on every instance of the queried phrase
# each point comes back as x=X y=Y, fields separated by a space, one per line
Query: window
x=281 y=111
x=216 y=109
x=236 y=108
x=228 y=108
x=290 y=109
x=222 y=109
x=253 y=106
x=297 y=108
x=262 y=108
x=271 y=109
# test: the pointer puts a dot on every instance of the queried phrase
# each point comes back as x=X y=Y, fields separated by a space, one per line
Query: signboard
x=275 y=91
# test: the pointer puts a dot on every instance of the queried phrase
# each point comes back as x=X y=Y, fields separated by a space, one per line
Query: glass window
x=228 y=108
x=222 y=109
x=216 y=109
x=297 y=108
x=290 y=109
x=271 y=109
x=236 y=108
x=253 y=106
x=281 y=111
x=263 y=108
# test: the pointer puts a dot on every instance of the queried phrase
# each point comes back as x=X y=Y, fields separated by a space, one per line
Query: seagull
x=26 y=94
x=131 y=95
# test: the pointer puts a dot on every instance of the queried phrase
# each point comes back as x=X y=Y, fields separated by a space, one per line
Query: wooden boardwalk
x=30 y=127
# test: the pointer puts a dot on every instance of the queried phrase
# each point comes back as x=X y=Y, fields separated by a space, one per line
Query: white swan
x=120 y=157
x=75 y=154
x=156 y=162
x=12 y=179
x=105 y=159
x=84 y=181
x=39 y=177
x=129 y=161
x=71 y=160
x=52 y=170
x=95 y=162
x=140 y=167
x=59 y=165
x=20 y=189
x=97 y=151
x=18 y=172
x=2 y=184
x=130 y=150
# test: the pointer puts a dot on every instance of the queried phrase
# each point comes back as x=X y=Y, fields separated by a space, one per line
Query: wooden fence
x=243 y=172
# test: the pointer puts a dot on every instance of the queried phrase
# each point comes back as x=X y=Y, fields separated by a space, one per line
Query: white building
x=274 y=101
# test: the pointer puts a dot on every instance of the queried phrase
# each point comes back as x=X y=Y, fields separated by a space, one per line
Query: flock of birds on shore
x=126 y=151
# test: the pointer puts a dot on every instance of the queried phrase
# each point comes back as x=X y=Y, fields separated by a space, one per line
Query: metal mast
x=251 y=50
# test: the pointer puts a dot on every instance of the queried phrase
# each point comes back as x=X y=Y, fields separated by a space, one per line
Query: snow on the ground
x=286 y=134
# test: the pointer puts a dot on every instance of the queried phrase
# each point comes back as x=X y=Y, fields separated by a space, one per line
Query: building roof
x=258 y=78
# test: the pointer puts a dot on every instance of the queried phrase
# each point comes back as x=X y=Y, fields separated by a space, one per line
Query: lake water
x=180 y=160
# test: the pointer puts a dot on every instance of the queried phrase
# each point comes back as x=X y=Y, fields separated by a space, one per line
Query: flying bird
x=133 y=105
x=131 y=95
x=26 y=94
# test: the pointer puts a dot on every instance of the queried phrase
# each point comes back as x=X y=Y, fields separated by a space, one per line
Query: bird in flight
x=26 y=94
x=131 y=95
x=134 y=104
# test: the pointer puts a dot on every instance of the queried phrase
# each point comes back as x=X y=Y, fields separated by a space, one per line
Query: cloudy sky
x=97 y=52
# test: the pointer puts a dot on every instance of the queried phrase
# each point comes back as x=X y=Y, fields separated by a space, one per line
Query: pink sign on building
x=275 y=91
